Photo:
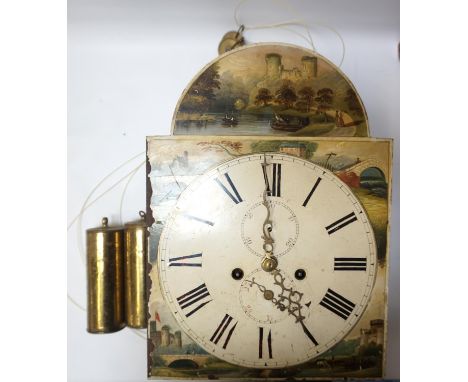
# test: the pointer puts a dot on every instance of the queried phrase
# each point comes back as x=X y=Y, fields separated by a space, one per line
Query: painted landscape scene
x=271 y=89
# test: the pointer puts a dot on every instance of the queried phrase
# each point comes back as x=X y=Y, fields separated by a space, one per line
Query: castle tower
x=273 y=66
x=309 y=67
x=178 y=339
x=165 y=336
x=153 y=329
x=377 y=327
x=155 y=336
x=364 y=340
x=157 y=339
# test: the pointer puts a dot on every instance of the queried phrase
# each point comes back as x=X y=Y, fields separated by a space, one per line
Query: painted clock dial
x=212 y=249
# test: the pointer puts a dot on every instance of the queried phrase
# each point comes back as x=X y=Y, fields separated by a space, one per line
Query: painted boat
x=230 y=120
x=289 y=123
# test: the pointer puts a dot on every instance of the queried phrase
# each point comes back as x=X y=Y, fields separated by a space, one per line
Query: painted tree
x=232 y=148
x=207 y=83
x=202 y=93
x=353 y=103
x=306 y=96
x=286 y=95
x=324 y=100
x=263 y=97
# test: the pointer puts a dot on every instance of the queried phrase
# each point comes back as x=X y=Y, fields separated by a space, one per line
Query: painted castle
x=373 y=335
x=164 y=337
x=276 y=74
x=276 y=71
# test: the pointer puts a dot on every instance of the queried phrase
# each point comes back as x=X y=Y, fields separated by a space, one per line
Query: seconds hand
x=269 y=262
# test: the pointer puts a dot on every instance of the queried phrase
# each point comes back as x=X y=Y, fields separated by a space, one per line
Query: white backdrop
x=128 y=62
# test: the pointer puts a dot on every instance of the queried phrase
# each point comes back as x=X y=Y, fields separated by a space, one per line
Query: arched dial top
x=212 y=248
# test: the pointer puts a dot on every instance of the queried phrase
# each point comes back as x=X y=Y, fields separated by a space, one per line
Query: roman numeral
x=233 y=194
x=260 y=344
x=340 y=223
x=190 y=298
x=221 y=329
x=275 y=190
x=317 y=182
x=308 y=334
x=176 y=261
x=350 y=263
x=337 y=304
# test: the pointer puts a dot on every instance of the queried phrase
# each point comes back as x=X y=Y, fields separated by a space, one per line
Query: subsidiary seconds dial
x=285 y=234
x=285 y=211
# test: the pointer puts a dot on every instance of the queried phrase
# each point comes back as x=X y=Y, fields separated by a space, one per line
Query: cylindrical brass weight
x=135 y=273
x=105 y=274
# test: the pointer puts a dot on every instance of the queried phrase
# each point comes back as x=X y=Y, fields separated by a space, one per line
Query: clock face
x=215 y=244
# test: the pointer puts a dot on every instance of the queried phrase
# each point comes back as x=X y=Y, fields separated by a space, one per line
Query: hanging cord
x=85 y=204
x=88 y=204
x=130 y=178
x=70 y=298
x=295 y=22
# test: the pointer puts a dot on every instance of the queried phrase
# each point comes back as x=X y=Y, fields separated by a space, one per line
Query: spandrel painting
x=265 y=89
x=363 y=164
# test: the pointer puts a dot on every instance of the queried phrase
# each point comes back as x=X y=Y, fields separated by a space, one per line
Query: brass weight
x=105 y=255
x=135 y=273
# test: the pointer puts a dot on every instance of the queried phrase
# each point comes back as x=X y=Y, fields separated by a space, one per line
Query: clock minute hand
x=289 y=302
x=269 y=262
x=267 y=227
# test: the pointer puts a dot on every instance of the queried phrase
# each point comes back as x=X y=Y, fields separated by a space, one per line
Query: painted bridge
x=360 y=167
x=181 y=360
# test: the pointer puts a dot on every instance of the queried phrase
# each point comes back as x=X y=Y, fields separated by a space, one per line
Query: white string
x=343 y=45
x=292 y=10
x=83 y=208
x=86 y=205
x=75 y=303
x=139 y=333
x=297 y=22
x=125 y=190
x=300 y=35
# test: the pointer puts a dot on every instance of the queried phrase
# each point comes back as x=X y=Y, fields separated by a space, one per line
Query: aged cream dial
x=305 y=223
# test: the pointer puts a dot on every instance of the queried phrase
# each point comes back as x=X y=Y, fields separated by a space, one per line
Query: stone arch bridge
x=172 y=359
x=360 y=167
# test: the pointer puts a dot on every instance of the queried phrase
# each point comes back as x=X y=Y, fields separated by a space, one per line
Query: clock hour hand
x=288 y=299
x=268 y=294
